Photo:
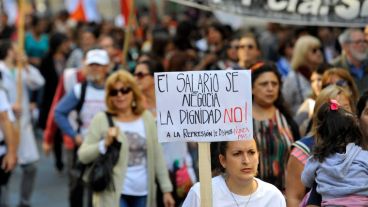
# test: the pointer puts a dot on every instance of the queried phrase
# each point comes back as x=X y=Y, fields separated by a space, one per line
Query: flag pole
x=20 y=30
x=153 y=11
x=128 y=31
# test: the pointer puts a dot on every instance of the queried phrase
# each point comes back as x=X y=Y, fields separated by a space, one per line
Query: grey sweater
x=295 y=89
x=340 y=174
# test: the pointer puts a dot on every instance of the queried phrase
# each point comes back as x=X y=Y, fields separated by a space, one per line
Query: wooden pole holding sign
x=205 y=175
x=204 y=107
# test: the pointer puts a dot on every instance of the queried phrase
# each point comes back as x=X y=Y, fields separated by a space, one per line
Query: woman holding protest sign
x=140 y=160
x=237 y=185
x=274 y=129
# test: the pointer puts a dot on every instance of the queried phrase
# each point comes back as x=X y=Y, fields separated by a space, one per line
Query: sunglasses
x=141 y=75
x=250 y=47
x=358 y=42
x=124 y=91
x=341 y=83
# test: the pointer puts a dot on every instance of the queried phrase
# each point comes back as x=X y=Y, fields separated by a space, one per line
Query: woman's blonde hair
x=302 y=45
x=331 y=92
x=128 y=81
x=345 y=75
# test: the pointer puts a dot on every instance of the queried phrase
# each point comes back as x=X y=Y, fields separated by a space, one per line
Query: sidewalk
x=50 y=187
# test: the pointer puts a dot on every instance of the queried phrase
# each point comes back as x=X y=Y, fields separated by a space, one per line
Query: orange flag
x=79 y=14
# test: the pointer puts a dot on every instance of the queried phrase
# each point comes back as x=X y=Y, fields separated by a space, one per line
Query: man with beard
x=354 y=56
x=87 y=99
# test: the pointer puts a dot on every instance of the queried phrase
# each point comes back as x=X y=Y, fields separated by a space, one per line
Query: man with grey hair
x=354 y=56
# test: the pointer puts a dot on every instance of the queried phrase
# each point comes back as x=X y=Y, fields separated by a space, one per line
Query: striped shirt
x=274 y=139
x=302 y=149
x=299 y=155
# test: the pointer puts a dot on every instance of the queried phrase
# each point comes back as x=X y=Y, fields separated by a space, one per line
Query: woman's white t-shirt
x=266 y=195
x=136 y=177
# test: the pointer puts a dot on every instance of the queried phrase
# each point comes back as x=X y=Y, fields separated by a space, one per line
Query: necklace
x=232 y=195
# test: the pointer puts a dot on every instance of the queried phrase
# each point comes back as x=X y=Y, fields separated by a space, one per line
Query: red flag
x=125 y=9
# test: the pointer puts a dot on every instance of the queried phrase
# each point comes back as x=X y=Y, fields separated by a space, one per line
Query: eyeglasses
x=357 y=42
x=141 y=75
x=250 y=47
x=124 y=91
x=316 y=49
x=340 y=82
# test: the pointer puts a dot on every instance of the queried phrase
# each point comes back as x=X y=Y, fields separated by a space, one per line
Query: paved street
x=50 y=187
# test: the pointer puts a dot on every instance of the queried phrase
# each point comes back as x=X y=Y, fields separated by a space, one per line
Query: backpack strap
x=80 y=104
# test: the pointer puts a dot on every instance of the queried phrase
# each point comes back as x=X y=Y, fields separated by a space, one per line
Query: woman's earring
x=134 y=104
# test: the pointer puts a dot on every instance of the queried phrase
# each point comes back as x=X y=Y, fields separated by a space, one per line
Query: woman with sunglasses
x=248 y=50
x=307 y=57
x=143 y=74
x=176 y=153
x=341 y=77
x=141 y=160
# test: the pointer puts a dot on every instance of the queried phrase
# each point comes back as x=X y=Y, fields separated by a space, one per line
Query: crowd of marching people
x=80 y=96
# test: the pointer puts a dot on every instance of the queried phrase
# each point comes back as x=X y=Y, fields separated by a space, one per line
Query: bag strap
x=111 y=124
x=109 y=119
x=80 y=104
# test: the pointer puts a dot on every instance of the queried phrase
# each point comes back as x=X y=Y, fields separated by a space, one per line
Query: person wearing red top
x=67 y=81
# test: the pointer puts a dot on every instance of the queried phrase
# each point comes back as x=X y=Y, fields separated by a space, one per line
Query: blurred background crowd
x=62 y=49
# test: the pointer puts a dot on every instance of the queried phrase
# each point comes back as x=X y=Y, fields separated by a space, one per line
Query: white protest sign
x=204 y=106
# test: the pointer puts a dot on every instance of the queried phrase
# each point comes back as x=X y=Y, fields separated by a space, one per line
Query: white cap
x=97 y=56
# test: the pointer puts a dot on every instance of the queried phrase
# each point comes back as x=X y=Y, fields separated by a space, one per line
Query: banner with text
x=204 y=106
x=344 y=13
